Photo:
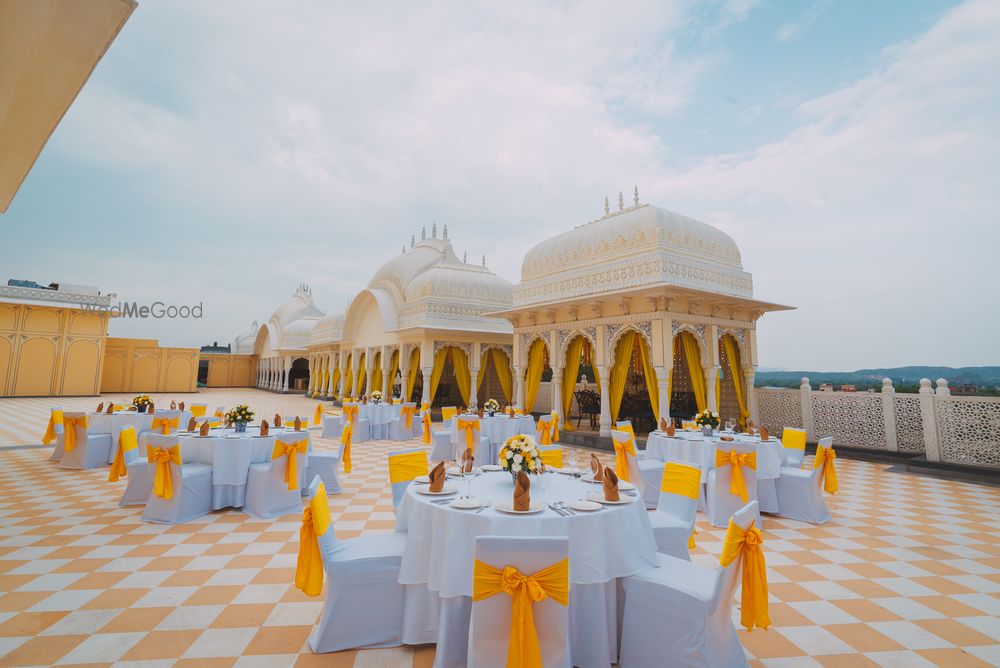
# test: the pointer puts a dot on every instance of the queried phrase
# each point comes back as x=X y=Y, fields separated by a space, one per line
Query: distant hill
x=982 y=376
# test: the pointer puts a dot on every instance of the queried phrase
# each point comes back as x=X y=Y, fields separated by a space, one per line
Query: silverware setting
x=483 y=507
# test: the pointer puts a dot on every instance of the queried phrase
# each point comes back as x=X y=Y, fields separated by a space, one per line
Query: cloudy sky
x=223 y=152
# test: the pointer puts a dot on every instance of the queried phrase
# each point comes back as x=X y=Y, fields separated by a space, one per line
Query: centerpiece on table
x=141 y=402
x=708 y=421
x=239 y=416
x=376 y=397
x=519 y=453
x=491 y=407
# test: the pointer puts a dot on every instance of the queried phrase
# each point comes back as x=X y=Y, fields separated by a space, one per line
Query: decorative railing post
x=889 y=414
x=942 y=388
x=929 y=418
x=805 y=396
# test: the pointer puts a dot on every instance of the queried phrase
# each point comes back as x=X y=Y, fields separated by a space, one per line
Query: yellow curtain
x=439 y=358
x=650 y=373
x=348 y=379
x=460 y=365
x=735 y=372
x=411 y=376
x=483 y=362
x=533 y=375
x=670 y=372
x=690 y=348
x=393 y=368
x=336 y=381
x=571 y=372
x=597 y=374
x=619 y=372
x=502 y=364
x=376 y=380
x=359 y=383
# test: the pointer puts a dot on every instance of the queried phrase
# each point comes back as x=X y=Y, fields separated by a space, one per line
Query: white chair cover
x=364 y=602
x=331 y=427
x=644 y=474
x=793 y=456
x=721 y=503
x=442 y=449
x=268 y=495
x=57 y=451
x=800 y=492
x=362 y=425
x=192 y=489
x=673 y=520
x=399 y=488
x=325 y=465
x=678 y=614
x=138 y=483
x=489 y=625
x=91 y=451
x=481 y=448
x=397 y=427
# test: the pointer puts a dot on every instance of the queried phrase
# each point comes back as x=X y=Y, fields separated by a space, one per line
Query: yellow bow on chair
x=350 y=412
x=622 y=451
x=345 y=437
x=555 y=427
x=283 y=449
x=471 y=429
x=552 y=457
x=544 y=432
x=69 y=431
x=318 y=414
x=126 y=442
x=406 y=413
x=163 y=483
x=165 y=425
x=427 y=426
x=56 y=417
x=407 y=466
x=753 y=600
x=315 y=523
x=552 y=582
x=824 y=458
x=737 y=486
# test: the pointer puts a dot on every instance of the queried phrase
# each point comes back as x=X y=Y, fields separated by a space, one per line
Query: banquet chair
x=448 y=413
x=544 y=431
x=404 y=467
x=480 y=441
x=82 y=449
x=626 y=425
x=800 y=491
x=165 y=422
x=138 y=485
x=491 y=622
x=793 y=443
x=53 y=432
x=324 y=465
x=673 y=519
x=552 y=455
x=274 y=487
x=364 y=600
x=721 y=502
x=181 y=492
x=290 y=421
x=361 y=430
x=645 y=474
x=399 y=430
x=331 y=426
x=679 y=613
x=441 y=448
x=198 y=410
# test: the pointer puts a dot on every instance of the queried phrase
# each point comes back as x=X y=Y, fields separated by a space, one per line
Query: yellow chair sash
x=69 y=431
x=518 y=411
x=622 y=451
x=681 y=480
x=737 y=485
x=427 y=427
x=406 y=414
x=824 y=458
x=283 y=449
x=318 y=414
x=471 y=429
x=163 y=483
x=407 y=466
x=544 y=433
x=126 y=441
x=552 y=582
x=555 y=427
x=753 y=600
x=315 y=523
x=691 y=543
x=448 y=412
x=56 y=417
x=345 y=437
x=198 y=410
x=165 y=425
x=553 y=458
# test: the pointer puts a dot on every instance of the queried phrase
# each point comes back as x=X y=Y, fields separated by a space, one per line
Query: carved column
x=711 y=374
x=748 y=374
x=662 y=379
x=288 y=372
x=557 y=404
x=426 y=397
x=805 y=397
x=518 y=386
x=343 y=376
x=404 y=372
x=928 y=415
x=889 y=415
x=331 y=364
x=605 y=401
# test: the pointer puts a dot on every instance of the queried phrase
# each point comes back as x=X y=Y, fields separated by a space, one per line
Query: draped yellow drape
x=501 y=362
x=735 y=372
x=348 y=379
x=650 y=373
x=460 y=365
x=336 y=381
x=619 y=371
x=359 y=383
x=690 y=348
x=393 y=368
x=571 y=371
x=670 y=373
x=411 y=376
x=375 y=383
x=439 y=358
x=533 y=374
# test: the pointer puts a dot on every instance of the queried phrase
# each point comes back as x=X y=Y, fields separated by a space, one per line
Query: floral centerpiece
x=141 y=402
x=491 y=407
x=238 y=416
x=376 y=397
x=519 y=453
x=708 y=421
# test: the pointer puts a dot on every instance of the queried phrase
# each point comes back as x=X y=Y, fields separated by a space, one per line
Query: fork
x=566 y=509
x=484 y=507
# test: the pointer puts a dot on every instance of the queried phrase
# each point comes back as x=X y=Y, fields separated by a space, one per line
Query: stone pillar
x=288 y=371
x=312 y=376
x=557 y=405
x=751 y=395
x=473 y=394
x=928 y=415
x=605 y=401
x=331 y=365
x=518 y=386
x=426 y=397
x=805 y=397
x=369 y=371
x=343 y=377
x=404 y=372
x=889 y=415
x=662 y=379
x=269 y=377
x=711 y=401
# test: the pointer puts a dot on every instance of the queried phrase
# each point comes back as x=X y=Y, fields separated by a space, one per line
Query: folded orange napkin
x=522 y=492
x=173 y=405
x=437 y=476
x=663 y=424
x=203 y=431
x=727 y=439
x=764 y=436
x=610 y=485
x=298 y=424
x=265 y=428
x=596 y=468
x=181 y=405
x=480 y=412
x=277 y=420
x=671 y=430
x=100 y=408
x=192 y=424
x=111 y=408
x=152 y=408
x=467 y=460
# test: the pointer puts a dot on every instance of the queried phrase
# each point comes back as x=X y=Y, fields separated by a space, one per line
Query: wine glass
x=729 y=426
x=544 y=478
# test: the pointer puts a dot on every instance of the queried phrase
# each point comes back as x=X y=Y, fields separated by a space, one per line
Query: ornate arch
x=740 y=338
x=565 y=338
x=698 y=332
x=528 y=340
x=616 y=335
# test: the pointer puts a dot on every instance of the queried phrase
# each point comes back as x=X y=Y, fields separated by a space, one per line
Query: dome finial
x=413 y=240
x=423 y=233
x=434 y=231
x=484 y=259
x=607 y=208
x=403 y=252
x=465 y=257
x=621 y=201
x=635 y=196
x=445 y=231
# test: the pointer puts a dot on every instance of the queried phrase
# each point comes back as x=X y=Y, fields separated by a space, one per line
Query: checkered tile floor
x=907 y=574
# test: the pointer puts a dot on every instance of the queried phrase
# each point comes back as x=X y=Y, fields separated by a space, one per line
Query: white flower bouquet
x=520 y=453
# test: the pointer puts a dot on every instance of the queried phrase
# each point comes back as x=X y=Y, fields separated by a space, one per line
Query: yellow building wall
x=50 y=351
x=225 y=370
x=141 y=365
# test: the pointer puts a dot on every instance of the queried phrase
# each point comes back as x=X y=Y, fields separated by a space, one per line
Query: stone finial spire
x=423 y=233
x=445 y=237
x=621 y=201
x=607 y=208
x=484 y=259
x=635 y=196
x=413 y=240
x=434 y=231
x=465 y=257
x=403 y=252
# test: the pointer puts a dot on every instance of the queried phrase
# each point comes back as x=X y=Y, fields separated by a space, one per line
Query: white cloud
x=789 y=31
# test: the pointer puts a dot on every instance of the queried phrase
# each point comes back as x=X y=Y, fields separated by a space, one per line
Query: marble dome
x=243 y=344
x=298 y=307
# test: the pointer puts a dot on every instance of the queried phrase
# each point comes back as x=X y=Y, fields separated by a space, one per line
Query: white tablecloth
x=497 y=429
x=102 y=423
x=604 y=545
x=379 y=416
x=697 y=449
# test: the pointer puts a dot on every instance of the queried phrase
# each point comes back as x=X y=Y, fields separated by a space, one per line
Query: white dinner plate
x=584 y=506
x=599 y=498
x=568 y=470
x=466 y=503
x=422 y=479
x=447 y=489
x=457 y=471
x=622 y=484
x=492 y=467
x=508 y=507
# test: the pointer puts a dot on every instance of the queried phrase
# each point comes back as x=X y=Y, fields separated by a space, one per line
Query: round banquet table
x=379 y=416
x=102 y=423
x=614 y=542
x=694 y=448
x=497 y=429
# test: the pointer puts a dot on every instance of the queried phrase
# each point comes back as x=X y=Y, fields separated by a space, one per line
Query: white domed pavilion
x=280 y=343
